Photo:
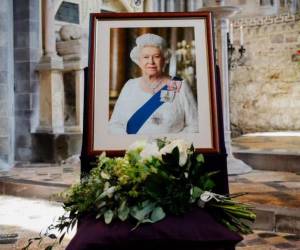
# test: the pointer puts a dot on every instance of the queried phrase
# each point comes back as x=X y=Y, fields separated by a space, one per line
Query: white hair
x=150 y=40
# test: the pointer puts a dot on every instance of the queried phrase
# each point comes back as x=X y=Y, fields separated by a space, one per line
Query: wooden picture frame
x=101 y=72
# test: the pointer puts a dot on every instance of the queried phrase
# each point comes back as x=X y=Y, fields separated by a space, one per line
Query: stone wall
x=26 y=55
x=265 y=88
x=6 y=85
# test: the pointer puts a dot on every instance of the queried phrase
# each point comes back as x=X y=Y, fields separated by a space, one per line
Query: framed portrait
x=151 y=75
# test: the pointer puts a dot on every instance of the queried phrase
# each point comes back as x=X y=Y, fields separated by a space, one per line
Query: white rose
x=150 y=149
x=183 y=147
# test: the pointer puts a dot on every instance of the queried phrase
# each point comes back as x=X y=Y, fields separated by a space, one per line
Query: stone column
x=171 y=5
x=162 y=5
x=48 y=27
x=193 y=5
x=74 y=54
x=180 y=6
x=222 y=13
x=51 y=102
x=174 y=5
x=26 y=44
x=50 y=58
x=50 y=70
x=7 y=137
x=221 y=42
x=155 y=6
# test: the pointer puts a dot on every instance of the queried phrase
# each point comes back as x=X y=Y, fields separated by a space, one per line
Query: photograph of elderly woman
x=152 y=81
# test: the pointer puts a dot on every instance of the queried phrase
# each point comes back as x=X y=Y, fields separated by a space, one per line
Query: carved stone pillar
x=74 y=53
x=51 y=102
x=48 y=27
x=222 y=13
x=51 y=118
x=49 y=60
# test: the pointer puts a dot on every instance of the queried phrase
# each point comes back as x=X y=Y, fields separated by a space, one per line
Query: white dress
x=177 y=116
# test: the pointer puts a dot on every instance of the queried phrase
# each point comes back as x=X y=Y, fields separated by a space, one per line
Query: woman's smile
x=152 y=67
x=151 y=61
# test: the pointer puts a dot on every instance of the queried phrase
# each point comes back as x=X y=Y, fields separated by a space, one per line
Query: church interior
x=45 y=51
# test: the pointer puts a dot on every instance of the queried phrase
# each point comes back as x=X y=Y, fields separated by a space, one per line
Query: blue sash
x=137 y=120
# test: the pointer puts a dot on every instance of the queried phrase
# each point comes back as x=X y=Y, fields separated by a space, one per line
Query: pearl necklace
x=152 y=86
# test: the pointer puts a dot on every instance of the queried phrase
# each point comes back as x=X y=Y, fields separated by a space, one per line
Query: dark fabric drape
x=192 y=231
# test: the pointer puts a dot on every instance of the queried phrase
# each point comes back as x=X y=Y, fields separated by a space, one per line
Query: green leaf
x=157 y=214
x=141 y=212
x=133 y=156
x=108 y=216
x=123 y=211
x=107 y=193
x=196 y=192
x=98 y=215
x=208 y=184
x=200 y=158
x=100 y=204
x=212 y=173
x=161 y=143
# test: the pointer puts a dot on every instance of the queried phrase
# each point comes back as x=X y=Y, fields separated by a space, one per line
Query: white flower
x=141 y=144
x=150 y=150
x=206 y=196
x=183 y=147
x=186 y=175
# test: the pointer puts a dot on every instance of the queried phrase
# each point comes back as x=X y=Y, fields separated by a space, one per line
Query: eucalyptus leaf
x=101 y=204
x=141 y=212
x=108 y=216
x=123 y=215
x=146 y=221
x=99 y=215
x=157 y=214
x=123 y=211
x=107 y=193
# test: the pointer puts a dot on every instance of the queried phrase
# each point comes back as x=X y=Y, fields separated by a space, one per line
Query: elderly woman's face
x=151 y=61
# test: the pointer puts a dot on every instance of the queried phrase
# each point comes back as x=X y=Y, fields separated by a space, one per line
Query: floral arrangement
x=152 y=180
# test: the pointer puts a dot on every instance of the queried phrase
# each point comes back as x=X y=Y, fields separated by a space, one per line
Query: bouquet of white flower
x=152 y=180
